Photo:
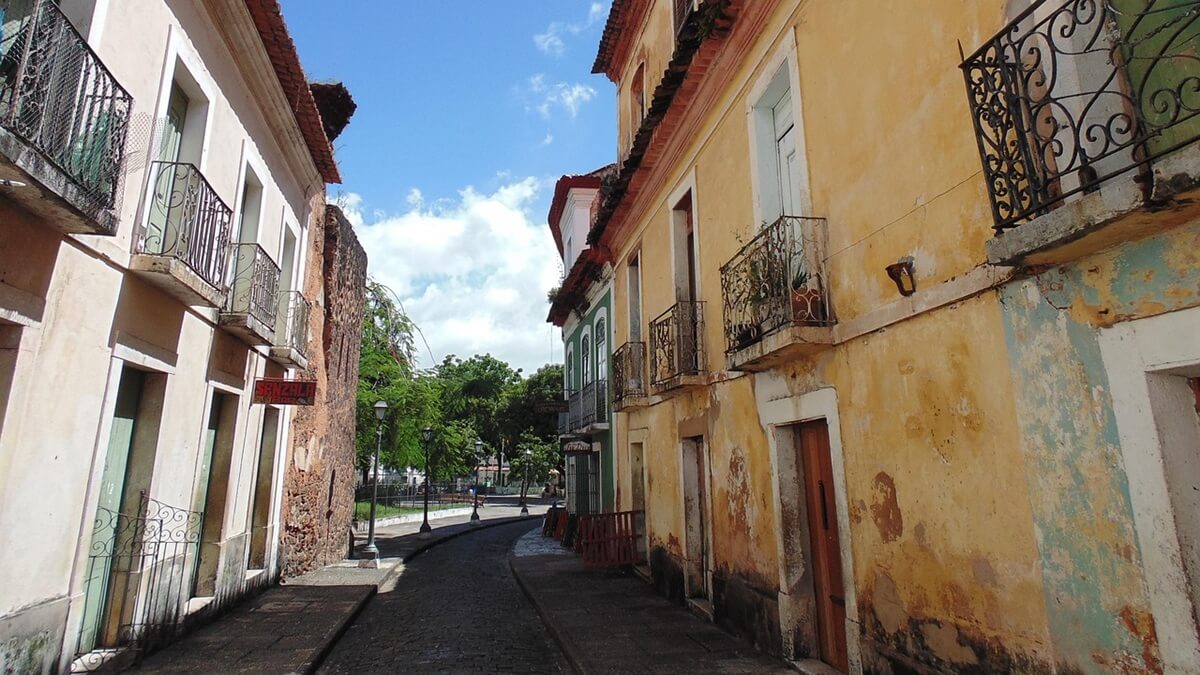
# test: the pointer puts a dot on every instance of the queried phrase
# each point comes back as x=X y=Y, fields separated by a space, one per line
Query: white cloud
x=552 y=42
x=415 y=199
x=546 y=97
x=548 y=139
x=472 y=272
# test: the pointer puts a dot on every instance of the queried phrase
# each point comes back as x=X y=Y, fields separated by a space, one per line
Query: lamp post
x=525 y=492
x=426 y=530
x=370 y=551
x=475 y=494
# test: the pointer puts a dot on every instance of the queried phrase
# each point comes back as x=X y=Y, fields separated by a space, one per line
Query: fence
x=137 y=581
x=393 y=496
x=609 y=539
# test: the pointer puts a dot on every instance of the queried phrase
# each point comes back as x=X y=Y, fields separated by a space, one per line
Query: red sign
x=277 y=391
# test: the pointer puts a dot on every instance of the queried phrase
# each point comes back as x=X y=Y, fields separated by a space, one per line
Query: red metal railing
x=609 y=539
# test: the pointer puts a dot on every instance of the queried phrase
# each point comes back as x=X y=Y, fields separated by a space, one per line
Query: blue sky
x=467 y=113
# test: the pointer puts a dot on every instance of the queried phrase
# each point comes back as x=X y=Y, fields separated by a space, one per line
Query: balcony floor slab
x=786 y=344
x=289 y=356
x=251 y=331
x=1118 y=211
x=176 y=278
x=48 y=192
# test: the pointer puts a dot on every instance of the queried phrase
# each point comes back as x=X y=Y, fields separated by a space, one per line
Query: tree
x=386 y=373
x=532 y=460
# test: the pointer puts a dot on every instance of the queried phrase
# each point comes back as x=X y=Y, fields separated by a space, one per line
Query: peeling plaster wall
x=990 y=524
x=1094 y=577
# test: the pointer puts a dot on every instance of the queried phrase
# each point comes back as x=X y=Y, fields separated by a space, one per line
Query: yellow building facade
x=876 y=415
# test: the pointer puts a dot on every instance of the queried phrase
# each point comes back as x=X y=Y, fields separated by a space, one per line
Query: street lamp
x=370 y=551
x=525 y=492
x=475 y=493
x=426 y=530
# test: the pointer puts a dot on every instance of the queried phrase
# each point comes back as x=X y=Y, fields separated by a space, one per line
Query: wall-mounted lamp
x=901 y=272
x=6 y=182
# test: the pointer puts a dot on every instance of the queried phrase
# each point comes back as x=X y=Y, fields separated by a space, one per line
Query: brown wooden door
x=826 y=554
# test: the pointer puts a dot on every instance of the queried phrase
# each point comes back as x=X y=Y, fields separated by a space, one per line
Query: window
x=569 y=371
x=601 y=333
x=637 y=99
x=567 y=253
x=634 y=271
x=585 y=353
x=250 y=209
x=684 y=241
x=777 y=143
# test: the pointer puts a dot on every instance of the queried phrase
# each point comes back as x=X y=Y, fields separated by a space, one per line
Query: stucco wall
x=319 y=497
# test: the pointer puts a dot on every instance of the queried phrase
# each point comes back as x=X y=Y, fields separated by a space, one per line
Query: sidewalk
x=291 y=627
x=607 y=622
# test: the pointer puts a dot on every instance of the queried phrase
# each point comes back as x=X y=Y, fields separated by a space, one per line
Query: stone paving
x=456 y=609
x=610 y=622
x=289 y=628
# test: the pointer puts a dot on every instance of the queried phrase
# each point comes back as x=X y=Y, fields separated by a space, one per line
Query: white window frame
x=586 y=347
x=598 y=322
x=760 y=124
x=1138 y=355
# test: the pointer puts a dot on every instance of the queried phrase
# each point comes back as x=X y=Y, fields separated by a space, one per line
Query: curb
x=340 y=630
x=566 y=647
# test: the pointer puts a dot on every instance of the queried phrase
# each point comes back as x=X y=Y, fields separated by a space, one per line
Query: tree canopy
x=461 y=400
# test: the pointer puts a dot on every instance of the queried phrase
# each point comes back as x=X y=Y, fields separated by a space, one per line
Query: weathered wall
x=1078 y=487
x=319 y=484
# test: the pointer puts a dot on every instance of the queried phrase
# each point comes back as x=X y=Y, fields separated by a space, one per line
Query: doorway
x=111 y=584
x=697 y=525
x=825 y=552
x=637 y=493
x=260 y=518
x=212 y=490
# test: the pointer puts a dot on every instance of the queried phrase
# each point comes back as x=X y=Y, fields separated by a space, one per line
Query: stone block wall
x=318 y=500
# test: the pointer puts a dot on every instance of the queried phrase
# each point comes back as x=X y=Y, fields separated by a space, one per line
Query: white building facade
x=161 y=164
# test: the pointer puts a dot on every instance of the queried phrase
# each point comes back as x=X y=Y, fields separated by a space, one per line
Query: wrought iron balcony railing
x=187 y=221
x=291 y=330
x=677 y=342
x=594 y=403
x=629 y=371
x=56 y=95
x=1073 y=93
x=574 y=410
x=254 y=290
x=776 y=280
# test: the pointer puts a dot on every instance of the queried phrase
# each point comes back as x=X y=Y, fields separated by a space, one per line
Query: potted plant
x=808 y=307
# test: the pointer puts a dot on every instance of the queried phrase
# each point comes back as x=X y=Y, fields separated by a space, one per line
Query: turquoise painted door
x=108 y=510
x=204 y=476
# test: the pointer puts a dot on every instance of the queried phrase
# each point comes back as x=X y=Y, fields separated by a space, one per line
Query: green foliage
x=537 y=455
x=461 y=400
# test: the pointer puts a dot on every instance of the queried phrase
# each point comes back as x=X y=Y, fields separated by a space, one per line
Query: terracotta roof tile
x=268 y=19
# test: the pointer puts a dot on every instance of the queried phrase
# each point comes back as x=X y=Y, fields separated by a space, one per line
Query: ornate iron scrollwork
x=1073 y=93
x=677 y=342
x=777 y=279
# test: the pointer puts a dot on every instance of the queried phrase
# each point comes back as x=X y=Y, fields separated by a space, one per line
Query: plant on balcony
x=808 y=307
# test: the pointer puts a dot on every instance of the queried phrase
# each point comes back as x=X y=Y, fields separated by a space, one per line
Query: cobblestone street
x=455 y=609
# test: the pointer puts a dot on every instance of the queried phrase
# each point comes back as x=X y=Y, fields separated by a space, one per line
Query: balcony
x=776 y=302
x=1085 y=113
x=184 y=246
x=677 y=359
x=587 y=409
x=291 y=330
x=253 y=301
x=63 y=122
x=629 y=376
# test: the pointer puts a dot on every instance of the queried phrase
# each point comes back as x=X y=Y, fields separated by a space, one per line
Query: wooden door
x=203 y=482
x=826 y=553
